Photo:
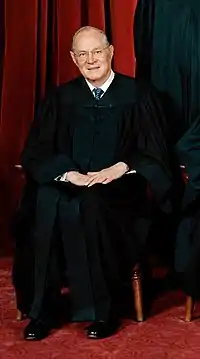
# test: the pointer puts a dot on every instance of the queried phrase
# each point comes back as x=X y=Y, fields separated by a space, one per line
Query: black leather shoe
x=36 y=330
x=102 y=329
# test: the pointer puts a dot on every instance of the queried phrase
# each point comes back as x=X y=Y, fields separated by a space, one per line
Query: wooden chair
x=189 y=306
x=137 y=285
x=20 y=316
x=137 y=292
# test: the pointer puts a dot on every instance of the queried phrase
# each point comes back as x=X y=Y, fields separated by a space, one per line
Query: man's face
x=92 y=56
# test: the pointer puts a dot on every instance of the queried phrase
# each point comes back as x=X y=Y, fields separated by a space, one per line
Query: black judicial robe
x=73 y=131
x=167 y=45
x=187 y=258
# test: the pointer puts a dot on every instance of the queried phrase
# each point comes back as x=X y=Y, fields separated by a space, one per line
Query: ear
x=73 y=57
x=111 y=48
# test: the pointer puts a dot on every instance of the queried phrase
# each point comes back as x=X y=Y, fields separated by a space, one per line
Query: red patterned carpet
x=163 y=336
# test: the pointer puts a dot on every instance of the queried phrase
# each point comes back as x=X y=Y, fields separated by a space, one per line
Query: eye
x=82 y=54
x=98 y=52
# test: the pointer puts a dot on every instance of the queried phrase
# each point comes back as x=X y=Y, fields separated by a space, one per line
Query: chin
x=94 y=76
x=93 y=79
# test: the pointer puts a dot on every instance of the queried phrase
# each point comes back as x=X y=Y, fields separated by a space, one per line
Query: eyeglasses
x=96 y=54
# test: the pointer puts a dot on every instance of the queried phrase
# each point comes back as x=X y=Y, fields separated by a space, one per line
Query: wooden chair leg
x=19 y=315
x=137 y=291
x=189 y=308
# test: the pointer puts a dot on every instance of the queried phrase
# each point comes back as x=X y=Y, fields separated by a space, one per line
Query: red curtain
x=35 y=39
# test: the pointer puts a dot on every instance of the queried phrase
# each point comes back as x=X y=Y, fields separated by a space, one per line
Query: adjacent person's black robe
x=103 y=229
x=167 y=46
x=187 y=258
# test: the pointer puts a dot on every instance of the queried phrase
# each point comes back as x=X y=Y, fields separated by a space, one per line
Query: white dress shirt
x=105 y=85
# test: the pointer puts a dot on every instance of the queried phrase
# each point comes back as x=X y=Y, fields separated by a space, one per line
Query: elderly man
x=93 y=146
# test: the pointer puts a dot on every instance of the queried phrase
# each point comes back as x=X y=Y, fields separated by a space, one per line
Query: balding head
x=89 y=29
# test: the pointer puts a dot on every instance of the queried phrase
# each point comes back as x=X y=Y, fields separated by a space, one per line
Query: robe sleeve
x=151 y=159
x=39 y=157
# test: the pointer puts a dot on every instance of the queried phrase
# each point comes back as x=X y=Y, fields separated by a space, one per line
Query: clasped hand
x=104 y=176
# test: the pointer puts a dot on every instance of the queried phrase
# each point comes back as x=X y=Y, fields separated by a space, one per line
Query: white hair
x=89 y=28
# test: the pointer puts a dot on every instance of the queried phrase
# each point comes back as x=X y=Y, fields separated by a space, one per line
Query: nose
x=90 y=58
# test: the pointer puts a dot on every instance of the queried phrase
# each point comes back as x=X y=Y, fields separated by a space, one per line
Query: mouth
x=93 y=68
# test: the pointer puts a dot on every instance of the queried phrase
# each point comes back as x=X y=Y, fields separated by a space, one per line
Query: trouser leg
x=89 y=256
x=43 y=235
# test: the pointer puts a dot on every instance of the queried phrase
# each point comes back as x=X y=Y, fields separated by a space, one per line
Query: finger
x=92 y=179
x=96 y=180
x=87 y=183
x=91 y=173
x=108 y=180
x=92 y=183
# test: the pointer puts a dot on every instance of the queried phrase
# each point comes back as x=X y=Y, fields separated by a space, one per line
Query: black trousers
x=103 y=231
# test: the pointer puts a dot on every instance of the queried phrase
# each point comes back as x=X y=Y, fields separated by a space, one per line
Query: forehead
x=88 y=40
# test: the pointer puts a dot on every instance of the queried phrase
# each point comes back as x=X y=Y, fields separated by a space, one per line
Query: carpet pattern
x=164 y=335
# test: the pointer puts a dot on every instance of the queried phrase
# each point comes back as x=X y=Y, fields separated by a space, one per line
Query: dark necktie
x=98 y=93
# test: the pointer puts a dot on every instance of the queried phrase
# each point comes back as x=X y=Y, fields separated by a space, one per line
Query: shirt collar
x=106 y=84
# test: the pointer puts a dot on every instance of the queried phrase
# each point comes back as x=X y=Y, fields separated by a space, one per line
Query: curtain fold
x=35 y=39
x=122 y=35
x=42 y=44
